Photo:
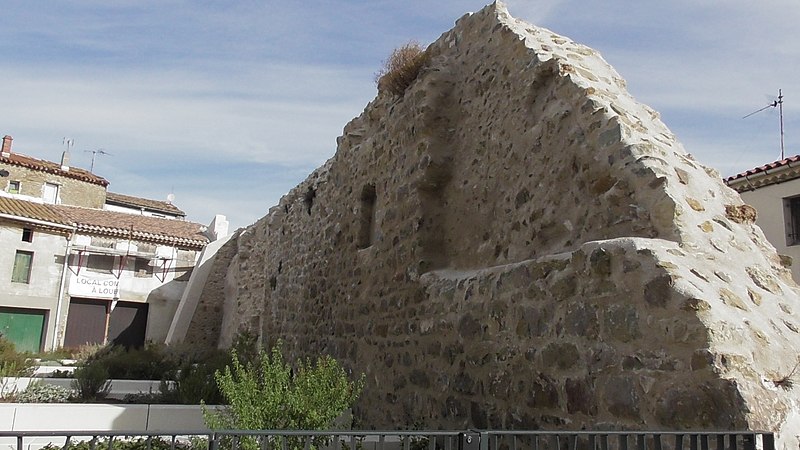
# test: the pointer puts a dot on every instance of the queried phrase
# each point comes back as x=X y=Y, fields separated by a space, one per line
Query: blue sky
x=228 y=105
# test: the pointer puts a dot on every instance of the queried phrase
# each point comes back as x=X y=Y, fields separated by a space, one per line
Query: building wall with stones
x=515 y=242
x=73 y=192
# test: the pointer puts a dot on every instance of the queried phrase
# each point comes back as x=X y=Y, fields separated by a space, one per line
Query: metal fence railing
x=387 y=440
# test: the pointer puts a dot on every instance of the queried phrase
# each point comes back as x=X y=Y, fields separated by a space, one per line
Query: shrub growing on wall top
x=401 y=68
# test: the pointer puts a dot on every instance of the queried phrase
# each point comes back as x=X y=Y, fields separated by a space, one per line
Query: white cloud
x=277 y=114
x=251 y=95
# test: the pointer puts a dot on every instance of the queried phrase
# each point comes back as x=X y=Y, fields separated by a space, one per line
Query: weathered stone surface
x=741 y=213
x=621 y=396
x=715 y=405
x=513 y=235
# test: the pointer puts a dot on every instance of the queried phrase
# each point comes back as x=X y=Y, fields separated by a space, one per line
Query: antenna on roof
x=69 y=143
x=775 y=103
x=96 y=152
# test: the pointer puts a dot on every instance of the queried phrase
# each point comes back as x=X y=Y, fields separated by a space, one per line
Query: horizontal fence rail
x=386 y=440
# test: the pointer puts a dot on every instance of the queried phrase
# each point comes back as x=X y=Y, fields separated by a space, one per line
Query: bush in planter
x=13 y=364
x=87 y=351
x=91 y=381
x=148 y=363
x=267 y=394
x=194 y=381
x=123 y=443
x=44 y=393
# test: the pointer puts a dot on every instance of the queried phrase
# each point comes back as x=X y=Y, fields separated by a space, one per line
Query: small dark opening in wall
x=367 y=217
x=273 y=282
x=792 y=213
x=27 y=235
x=308 y=198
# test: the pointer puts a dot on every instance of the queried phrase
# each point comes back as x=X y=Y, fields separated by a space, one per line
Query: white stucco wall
x=42 y=291
x=772 y=219
x=160 y=290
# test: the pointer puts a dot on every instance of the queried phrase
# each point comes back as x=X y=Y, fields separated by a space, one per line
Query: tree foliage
x=268 y=394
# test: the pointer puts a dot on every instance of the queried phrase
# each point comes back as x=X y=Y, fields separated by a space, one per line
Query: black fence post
x=470 y=440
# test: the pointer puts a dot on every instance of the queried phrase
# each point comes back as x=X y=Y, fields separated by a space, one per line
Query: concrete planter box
x=95 y=417
x=100 y=417
x=119 y=388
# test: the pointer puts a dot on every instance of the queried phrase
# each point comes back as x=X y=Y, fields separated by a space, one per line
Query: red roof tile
x=29 y=162
x=765 y=168
x=138 y=202
x=30 y=210
x=145 y=228
x=109 y=223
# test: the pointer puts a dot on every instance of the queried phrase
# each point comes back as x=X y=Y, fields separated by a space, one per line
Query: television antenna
x=69 y=143
x=777 y=103
x=96 y=152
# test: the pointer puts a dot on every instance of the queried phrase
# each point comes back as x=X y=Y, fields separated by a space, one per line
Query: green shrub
x=194 y=381
x=402 y=68
x=61 y=374
x=121 y=443
x=53 y=355
x=267 y=394
x=87 y=351
x=149 y=363
x=44 y=393
x=13 y=364
x=91 y=381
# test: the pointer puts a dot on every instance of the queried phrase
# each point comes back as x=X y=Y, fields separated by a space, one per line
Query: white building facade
x=774 y=191
x=80 y=265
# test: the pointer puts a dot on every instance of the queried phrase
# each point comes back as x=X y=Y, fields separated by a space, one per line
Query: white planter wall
x=100 y=417
x=43 y=417
x=119 y=388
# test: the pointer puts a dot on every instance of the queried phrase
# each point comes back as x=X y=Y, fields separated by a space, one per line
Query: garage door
x=23 y=327
x=86 y=322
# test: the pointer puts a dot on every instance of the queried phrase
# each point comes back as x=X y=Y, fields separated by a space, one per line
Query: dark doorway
x=128 y=324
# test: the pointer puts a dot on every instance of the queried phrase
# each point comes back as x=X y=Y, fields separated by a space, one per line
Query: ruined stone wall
x=517 y=243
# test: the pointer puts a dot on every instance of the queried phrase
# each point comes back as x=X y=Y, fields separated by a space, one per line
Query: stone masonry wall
x=71 y=191
x=517 y=243
x=206 y=324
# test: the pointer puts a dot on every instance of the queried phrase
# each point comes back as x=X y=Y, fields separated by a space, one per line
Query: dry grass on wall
x=401 y=68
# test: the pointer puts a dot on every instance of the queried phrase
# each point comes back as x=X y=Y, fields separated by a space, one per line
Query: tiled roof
x=109 y=223
x=145 y=228
x=775 y=172
x=138 y=202
x=30 y=210
x=29 y=162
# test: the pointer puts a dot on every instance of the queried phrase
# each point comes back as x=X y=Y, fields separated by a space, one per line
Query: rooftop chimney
x=65 y=161
x=6 y=150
